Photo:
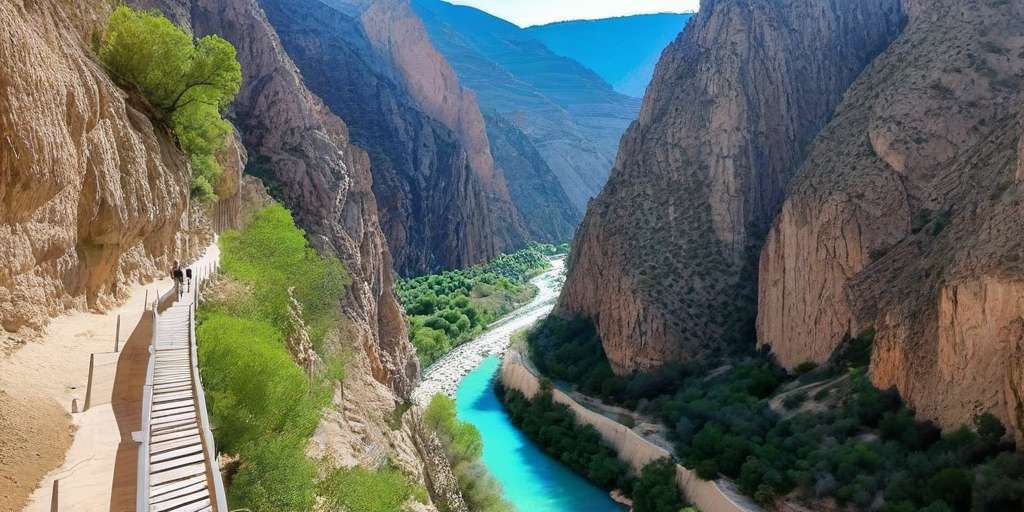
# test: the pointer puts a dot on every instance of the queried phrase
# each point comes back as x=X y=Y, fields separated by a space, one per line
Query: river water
x=532 y=481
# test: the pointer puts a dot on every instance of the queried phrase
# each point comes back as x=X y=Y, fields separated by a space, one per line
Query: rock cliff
x=303 y=151
x=93 y=193
x=443 y=202
x=900 y=220
x=571 y=116
x=665 y=259
x=533 y=186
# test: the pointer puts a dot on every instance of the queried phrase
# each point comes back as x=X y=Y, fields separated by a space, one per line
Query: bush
x=272 y=256
x=464 y=447
x=362 y=490
x=190 y=83
x=656 y=490
x=275 y=475
x=264 y=408
x=254 y=389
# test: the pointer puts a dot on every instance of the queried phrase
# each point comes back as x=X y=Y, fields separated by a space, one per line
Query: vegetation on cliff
x=824 y=434
x=188 y=82
x=263 y=405
x=447 y=309
x=464 y=447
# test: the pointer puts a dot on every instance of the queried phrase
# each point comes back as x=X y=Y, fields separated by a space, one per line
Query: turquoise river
x=532 y=481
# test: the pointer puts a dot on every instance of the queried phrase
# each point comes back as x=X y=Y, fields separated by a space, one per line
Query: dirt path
x=40 y=440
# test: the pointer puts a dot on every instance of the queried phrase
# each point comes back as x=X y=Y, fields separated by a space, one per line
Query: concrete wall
x=631 y=447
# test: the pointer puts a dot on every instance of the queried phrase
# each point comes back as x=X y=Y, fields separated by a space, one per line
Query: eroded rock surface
x=93 y=193
x=900 y=220
x=443 y=202
x=665 y=259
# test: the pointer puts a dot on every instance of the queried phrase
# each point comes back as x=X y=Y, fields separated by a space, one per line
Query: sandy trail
x=444 y=375
x=40 y=440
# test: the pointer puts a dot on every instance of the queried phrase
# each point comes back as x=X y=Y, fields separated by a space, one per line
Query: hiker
x=179 y=277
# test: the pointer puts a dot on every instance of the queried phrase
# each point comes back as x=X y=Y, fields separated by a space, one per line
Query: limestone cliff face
x=93 y=194
x=303 y=151
x=443 y=202
x=664 y=260
x=901 y=220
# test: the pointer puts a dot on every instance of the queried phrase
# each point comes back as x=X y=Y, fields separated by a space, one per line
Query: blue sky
x=535 y=12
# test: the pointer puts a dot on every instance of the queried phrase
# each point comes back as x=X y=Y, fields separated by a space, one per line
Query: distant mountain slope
x=573 y=118
x=623 y=51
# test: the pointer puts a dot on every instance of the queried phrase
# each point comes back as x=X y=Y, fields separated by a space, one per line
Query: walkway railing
x=177 y=464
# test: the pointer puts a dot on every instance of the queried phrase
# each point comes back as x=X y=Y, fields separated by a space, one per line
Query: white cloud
x=535 y=12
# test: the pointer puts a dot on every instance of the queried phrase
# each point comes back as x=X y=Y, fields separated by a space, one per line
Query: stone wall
x=631 y=447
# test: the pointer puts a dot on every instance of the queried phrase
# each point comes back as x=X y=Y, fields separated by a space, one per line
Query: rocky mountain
x=305 y=150
x=901 y=220
x=665 y=261
x=93 y=193
x=628 y=64
x=572 y=117
x=443 y=202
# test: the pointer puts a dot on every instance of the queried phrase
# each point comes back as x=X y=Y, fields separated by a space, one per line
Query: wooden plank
x=192 y=423
x=171 y=397
x=160 y=490
x=176 y=453
x=171 y=388
x=198 y=506
x=170 y=434
x=169 y=380
x=177 y=473
x=173 y=412
x=157 y=467
x=177 y=493
x=181 y=501
x=173 y=405
x=191 y=415
x=156 y=448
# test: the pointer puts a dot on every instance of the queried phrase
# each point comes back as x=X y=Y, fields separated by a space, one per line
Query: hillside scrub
x=264 y=408
x=846 y=441
x=464 y=447
x=190 y=83
x=447 y=309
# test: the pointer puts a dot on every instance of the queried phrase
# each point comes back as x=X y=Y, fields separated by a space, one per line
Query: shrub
x=254 y=389
x=275 y=475
x=272 y=256
x=190 y=83
x=362 y=490
x=264 y=407
x=464 y=447
x=656 y=490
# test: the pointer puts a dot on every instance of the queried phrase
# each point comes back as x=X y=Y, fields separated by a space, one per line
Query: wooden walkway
x=178 y=468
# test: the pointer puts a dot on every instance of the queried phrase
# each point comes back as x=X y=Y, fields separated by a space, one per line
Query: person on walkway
x=179 y=277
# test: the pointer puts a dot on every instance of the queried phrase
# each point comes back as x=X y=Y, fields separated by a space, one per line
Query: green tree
x=189 y=83
x=656 y=489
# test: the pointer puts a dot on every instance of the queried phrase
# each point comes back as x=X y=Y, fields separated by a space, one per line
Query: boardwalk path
x=179 y=470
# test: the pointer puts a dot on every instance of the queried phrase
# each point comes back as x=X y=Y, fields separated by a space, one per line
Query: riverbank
x=631 y=447
x=444 y=375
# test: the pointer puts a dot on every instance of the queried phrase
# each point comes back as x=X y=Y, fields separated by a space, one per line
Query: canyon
x=571 y=116
x=664 y=262
x=876 y=204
